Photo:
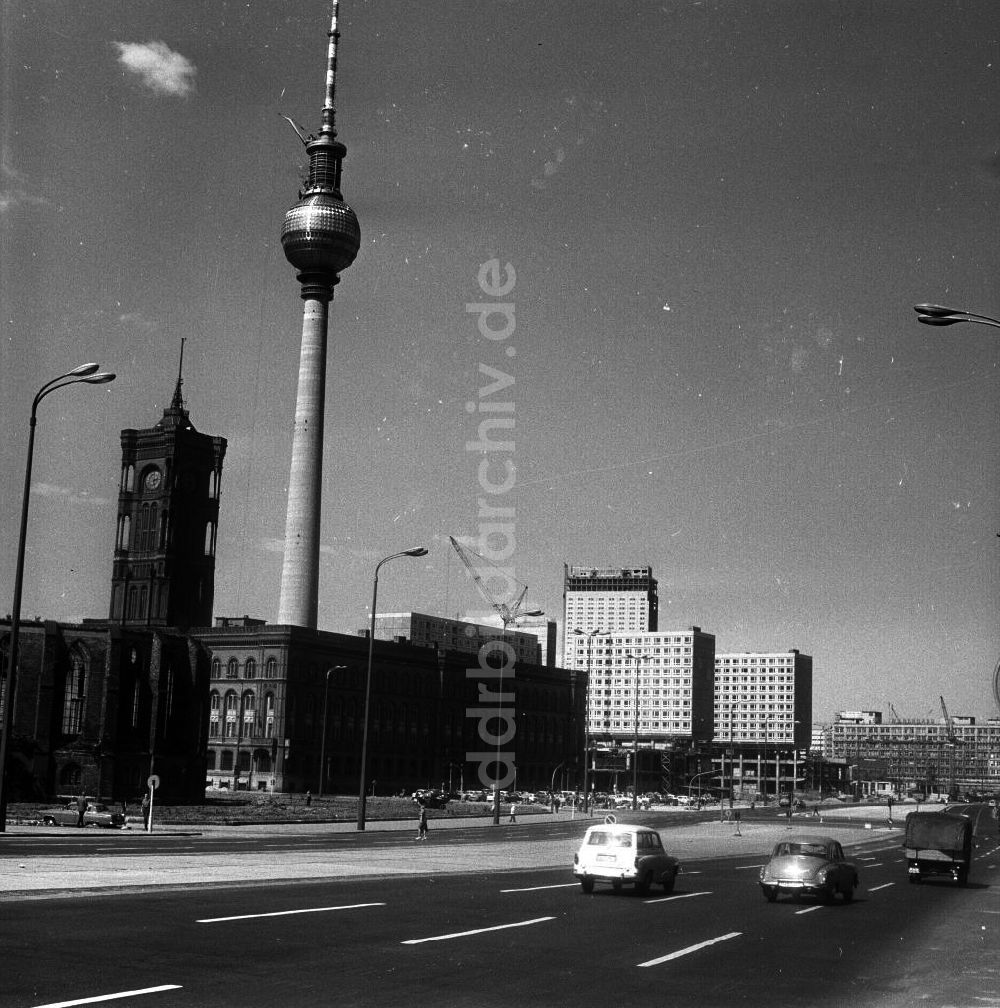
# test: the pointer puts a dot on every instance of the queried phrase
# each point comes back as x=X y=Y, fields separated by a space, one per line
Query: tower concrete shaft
x=320 y=237
x=299 y=599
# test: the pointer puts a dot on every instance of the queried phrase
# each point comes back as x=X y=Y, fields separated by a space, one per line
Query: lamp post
x=417 y=551
x=635 y=737
x=586 y=714
x=505 y=619
x=732 y=758
x=322 y=741
x=939 y=315
x=90 y=375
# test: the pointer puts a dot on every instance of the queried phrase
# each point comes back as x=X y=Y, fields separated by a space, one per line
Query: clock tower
x=168 y=518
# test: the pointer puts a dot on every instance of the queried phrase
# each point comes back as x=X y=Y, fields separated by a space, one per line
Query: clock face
x=153 y=478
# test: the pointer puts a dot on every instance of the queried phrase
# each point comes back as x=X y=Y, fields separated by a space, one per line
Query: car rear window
x=606 y=838
x=811 y=850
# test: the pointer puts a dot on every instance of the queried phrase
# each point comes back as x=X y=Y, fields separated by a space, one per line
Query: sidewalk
x=110 y=871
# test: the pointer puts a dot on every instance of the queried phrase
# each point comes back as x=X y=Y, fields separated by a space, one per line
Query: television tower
x=320 y=237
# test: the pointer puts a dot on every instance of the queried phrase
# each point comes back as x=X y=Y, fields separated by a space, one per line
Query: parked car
x=809 y=864
x=618 y=853
x=431 y=798
x=96 y=815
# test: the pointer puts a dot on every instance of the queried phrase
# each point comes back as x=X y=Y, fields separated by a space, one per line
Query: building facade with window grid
x=659 y=685
x=453 y=634
x=918 y=756
x=607 y=599
x=275 y=716
x=764 y=699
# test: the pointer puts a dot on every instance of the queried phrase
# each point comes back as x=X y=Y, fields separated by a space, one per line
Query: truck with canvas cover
x=938 y=843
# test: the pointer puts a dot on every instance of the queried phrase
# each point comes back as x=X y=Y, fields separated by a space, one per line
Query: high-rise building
x=163 y=573
x=763 y=721
x=654 y=687
x=453 y=634
x=320 y=238
x=764 y=698
x=608 y=600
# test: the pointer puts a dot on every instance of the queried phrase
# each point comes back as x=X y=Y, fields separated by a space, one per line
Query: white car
x=618 y=853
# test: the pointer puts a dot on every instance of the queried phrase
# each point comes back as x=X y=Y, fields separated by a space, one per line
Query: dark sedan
x=95 y=815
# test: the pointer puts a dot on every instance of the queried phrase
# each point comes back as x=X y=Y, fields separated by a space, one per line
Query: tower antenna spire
x=178 y=401
x=330 y=100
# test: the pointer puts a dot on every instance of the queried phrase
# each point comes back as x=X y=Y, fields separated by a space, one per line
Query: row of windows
x=249 y=668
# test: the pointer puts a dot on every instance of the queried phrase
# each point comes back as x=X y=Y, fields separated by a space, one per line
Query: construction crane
x=951 y=743
x=949 y=725
x=509 y=614
x=896 y=719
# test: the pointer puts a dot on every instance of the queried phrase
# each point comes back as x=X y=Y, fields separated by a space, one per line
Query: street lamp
x=938 y=315
x=417 y=551
x=586 y=712
x=506 y=618
x=322 y=741
x=635 y=737
x=87 y=374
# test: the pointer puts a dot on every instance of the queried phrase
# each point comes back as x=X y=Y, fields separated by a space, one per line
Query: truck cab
x=938 y=843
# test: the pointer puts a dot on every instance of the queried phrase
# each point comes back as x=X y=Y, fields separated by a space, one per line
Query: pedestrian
x=81 y=808
x=890 y=810
x=422 y=823
x=124 y=813
x=513 y=812
x=145 y=811
x=309 y=798
x=558 y=803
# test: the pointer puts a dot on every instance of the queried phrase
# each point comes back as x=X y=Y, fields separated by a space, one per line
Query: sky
x=716 y=217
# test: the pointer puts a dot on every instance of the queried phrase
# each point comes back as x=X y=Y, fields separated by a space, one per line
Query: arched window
x=75 y=695
x=249 y=669
x=214 y=703
x=232 y=714
x=249 y=714
x=271 y=668
x=233 y=669
x=210 y=760
x=216 y=668
x=226 y=760
x=268 y=715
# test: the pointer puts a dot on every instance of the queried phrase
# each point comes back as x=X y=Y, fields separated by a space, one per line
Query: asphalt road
x=525 y=936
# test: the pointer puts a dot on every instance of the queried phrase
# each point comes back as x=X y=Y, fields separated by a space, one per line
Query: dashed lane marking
x=690 y=949
x=110 y=997
x=685 y=895
x=466 y=934
x=818 y=906
x=885 y=885
x=287 y=913
x=562 y=885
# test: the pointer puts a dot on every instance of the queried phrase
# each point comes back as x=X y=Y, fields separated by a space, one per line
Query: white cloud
x=161 y=69
x=14 y=190
x=138 y=323
x=67 y=493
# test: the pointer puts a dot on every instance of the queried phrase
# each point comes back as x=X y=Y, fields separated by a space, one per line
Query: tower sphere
x=320 y=234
